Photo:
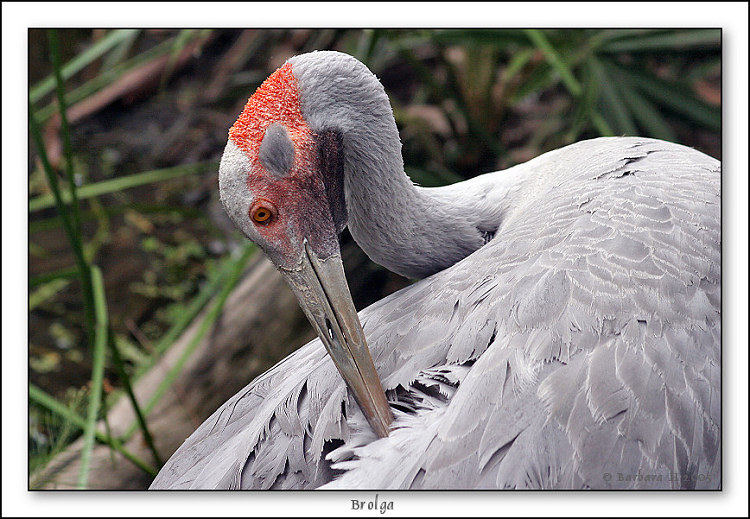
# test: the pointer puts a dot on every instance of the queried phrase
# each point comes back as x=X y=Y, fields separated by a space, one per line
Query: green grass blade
x=605 y=36
x=73 y=233
x=184 y=37
x=139 y=414
x=648 y=117
x=236 y=267
x=645 y=113
x=538 y=38
x=678 y=40
x=51 y=276
x=106 y=77
x=605 y=130
x=675 y=96
x=48 y=290
x=517 y=62
x=365 y=45
x=217 y=279
x=194 y=308
x=121 y=183
x=84 y=269
x=474 y=125
x=557 y=63
x=586 y=104
x=704 y=69
x=50 y=403
x=614 y=105
x=120 y=51
x=64 y=127
x=501 y=38
x=541 y=76
x=207 y=291
x=75 y=65
x=97 y=375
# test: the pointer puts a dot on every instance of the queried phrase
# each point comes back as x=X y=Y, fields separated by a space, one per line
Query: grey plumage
x=582 y=341
x=277 y=150
x=406 y=230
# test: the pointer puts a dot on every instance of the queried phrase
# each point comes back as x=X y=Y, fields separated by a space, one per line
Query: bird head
x=281 y=183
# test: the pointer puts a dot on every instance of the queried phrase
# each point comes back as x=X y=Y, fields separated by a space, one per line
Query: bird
x=565 y=331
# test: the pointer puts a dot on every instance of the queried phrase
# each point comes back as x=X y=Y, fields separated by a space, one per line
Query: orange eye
x=262 y=211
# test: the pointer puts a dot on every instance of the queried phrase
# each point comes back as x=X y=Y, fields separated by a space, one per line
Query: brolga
x=565 y=334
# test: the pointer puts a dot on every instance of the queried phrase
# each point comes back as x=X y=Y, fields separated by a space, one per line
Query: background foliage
x=127 y=242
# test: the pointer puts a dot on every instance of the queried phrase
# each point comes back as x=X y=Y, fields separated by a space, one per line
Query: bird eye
x=263 y=211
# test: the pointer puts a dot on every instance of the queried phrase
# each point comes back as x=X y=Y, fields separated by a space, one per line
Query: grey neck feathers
x=410 y=230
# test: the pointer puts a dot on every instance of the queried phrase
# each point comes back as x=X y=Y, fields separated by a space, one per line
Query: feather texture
x=579 y=348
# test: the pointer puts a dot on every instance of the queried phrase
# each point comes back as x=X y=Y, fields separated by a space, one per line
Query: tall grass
x=96 y=318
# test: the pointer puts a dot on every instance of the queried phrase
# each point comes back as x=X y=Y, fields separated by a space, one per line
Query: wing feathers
x=583 y=340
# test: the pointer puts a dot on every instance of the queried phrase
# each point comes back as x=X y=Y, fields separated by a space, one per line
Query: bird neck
x=410 y=230
x=406 y=228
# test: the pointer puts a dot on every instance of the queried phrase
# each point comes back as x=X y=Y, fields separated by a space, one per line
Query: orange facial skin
x=302 y=190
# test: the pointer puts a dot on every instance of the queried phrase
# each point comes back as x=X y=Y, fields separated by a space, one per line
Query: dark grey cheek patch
x=277 y=150
x=331 y=167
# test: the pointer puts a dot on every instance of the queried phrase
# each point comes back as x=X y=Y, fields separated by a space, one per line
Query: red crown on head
x=276 y=100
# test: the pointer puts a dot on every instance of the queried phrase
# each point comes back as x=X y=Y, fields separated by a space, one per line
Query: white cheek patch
x=233 y=190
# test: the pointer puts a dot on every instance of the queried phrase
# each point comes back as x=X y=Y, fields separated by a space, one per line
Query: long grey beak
x=322 y=292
